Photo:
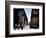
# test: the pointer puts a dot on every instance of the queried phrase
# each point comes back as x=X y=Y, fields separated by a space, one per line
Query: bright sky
x=28 y=13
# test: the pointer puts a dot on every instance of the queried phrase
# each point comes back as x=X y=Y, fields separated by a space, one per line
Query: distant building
x=20 y=18
x=34 y=18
